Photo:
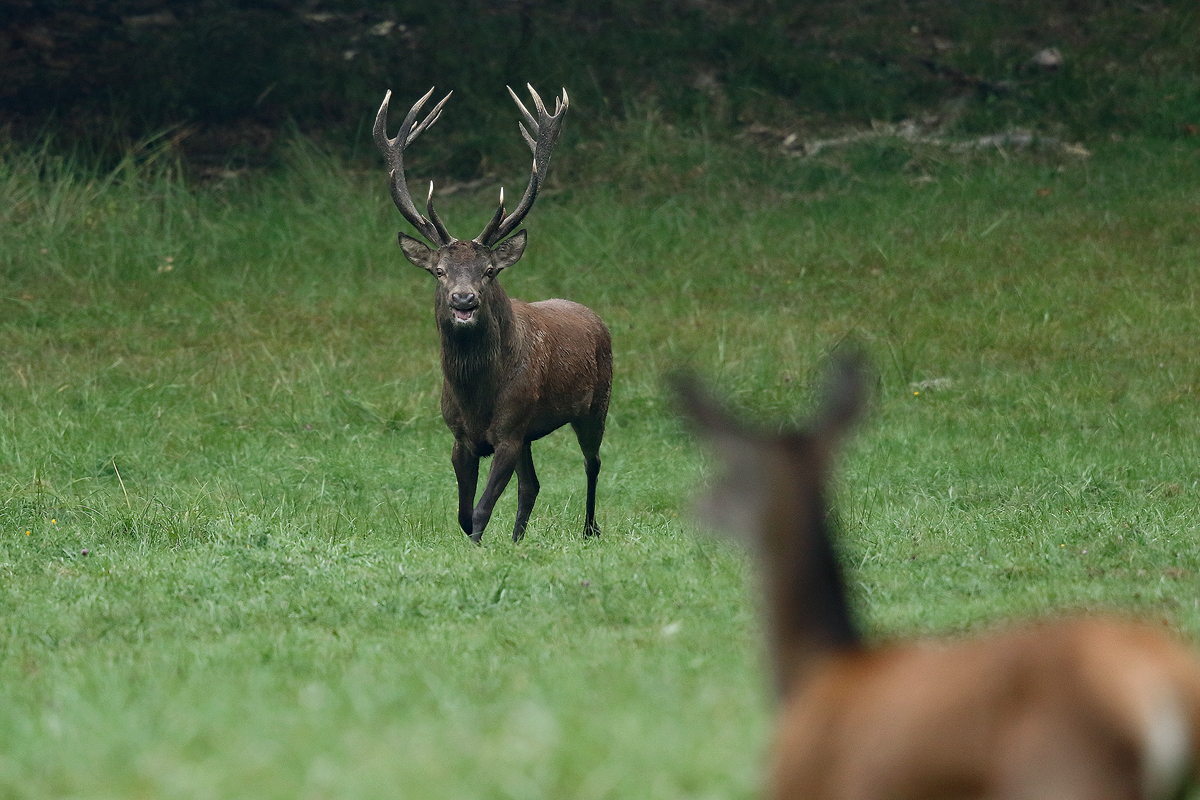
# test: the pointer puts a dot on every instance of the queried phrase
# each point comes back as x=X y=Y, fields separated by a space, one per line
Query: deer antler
x=393 y=149
x=541 y=141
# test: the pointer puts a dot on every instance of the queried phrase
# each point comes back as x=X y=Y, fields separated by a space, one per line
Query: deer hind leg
x=590 y=434
x=527 y=489
x=466 y=471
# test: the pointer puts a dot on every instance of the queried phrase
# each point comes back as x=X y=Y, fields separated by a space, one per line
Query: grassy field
x=229 y=562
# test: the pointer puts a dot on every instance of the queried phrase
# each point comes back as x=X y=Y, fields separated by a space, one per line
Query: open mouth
x=464 y=314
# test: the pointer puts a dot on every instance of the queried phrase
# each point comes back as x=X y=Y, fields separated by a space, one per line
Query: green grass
x=228 y=397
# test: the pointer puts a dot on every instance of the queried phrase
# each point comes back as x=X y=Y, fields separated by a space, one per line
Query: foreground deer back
x=1062 y=708
x=512 y=371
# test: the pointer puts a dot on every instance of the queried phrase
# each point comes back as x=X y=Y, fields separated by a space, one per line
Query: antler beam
x=430 y=227
x=541 y=136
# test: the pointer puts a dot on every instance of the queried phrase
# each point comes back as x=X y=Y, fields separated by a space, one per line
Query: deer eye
x=441 y=273
x=489 y=272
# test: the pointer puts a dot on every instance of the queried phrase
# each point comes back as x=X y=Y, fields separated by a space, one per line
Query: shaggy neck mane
x=474 y=358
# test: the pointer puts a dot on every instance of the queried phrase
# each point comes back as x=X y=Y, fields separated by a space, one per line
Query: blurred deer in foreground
x=512 y=371
x=1069 y=708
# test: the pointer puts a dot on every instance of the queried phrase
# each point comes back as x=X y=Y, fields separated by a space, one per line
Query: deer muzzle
x=463 y=306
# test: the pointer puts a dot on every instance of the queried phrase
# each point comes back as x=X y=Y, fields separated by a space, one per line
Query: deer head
x=466 y=271
x=466 y=278
x=772 y=496
x=773 y=477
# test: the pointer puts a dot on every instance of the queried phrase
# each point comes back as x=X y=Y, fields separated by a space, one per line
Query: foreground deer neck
x=806 y=597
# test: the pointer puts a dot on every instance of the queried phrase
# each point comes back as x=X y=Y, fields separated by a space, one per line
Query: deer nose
x=463 y=300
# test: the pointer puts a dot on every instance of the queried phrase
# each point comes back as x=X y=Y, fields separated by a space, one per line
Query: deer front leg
x=466 y=470
x=504 y=462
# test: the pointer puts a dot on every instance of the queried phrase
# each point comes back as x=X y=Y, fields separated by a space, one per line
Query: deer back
x=1070 y=708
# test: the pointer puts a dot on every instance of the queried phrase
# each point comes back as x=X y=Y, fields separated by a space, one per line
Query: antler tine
x=435 y=219
x=431 y=118
x=380 y=131
x=529 y=119
x=541 y=136
x=494 y=222
x=393 y=150
x=537 y=100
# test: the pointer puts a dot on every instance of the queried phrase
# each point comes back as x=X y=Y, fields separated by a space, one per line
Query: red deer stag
x=1068 y=708
x=512 y=371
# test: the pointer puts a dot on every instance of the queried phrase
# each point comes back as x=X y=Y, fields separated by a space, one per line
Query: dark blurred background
x=223 y=81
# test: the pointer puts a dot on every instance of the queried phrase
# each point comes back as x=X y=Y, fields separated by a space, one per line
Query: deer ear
x=736 y=500
x=845 y=396
x=418 y=252
x=509 y=251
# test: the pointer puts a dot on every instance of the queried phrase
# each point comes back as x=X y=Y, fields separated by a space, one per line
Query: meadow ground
x=229 y=562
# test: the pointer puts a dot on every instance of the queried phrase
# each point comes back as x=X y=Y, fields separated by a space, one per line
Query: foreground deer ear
x=418 y=252
x=845 y=396
x=509 y=251
x=736 y=500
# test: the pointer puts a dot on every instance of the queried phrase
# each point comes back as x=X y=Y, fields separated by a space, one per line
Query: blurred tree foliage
x=225 y=77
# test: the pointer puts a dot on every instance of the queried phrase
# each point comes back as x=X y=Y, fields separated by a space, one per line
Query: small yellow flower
x=28 y=532
x=53 y=522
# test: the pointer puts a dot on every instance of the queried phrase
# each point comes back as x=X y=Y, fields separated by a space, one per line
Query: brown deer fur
x=1083 y=707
